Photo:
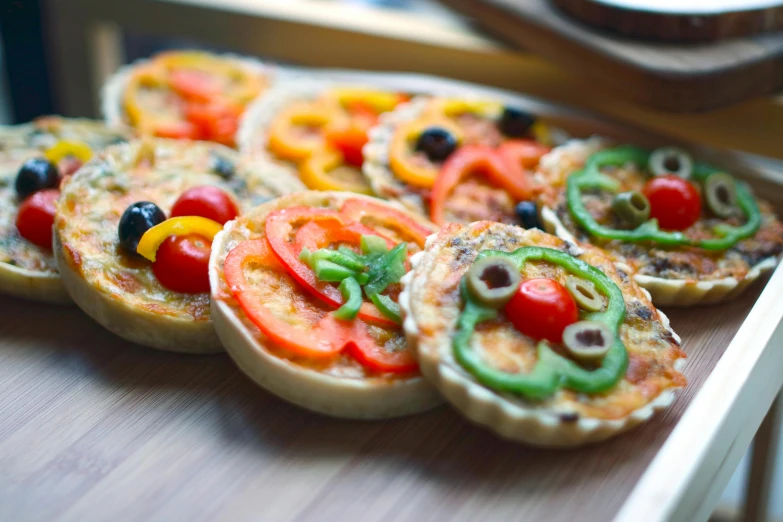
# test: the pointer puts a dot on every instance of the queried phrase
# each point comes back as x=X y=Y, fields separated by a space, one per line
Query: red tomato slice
x=180 y=130
x=279 y=226
x=36 y=217
x=380 y=217
x=366 y=350
x=194 y=85
x=466 y=161
x=182 y=264
x=326 y=340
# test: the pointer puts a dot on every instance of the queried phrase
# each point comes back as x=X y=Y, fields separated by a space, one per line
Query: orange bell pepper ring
x=326 y=170
x=406 y=166
x=297 y=132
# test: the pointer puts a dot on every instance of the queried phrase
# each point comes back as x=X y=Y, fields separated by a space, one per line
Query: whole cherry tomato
x=182 y=264
x=206 y=201
x=674 y=201
x=36 y=217
x=542 y=308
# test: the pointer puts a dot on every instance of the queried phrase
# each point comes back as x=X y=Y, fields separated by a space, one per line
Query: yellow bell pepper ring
x=452 y=108
x=64 y=148
x=177 y=226
x=404 y=164
x=296 y=133
x=326 y=170
x=380 y=101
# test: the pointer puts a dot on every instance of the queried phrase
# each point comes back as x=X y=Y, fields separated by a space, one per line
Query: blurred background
x=55 y=53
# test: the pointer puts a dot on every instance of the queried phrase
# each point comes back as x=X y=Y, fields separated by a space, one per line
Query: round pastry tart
x=688 y=232
x=304 y=298
x=34 y=159
x=185 y=94
x=133 y=232
x=458 y=160
x=539 y=340
x=318 y=129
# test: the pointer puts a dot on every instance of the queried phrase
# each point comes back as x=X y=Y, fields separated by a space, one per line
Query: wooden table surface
x=94 y=428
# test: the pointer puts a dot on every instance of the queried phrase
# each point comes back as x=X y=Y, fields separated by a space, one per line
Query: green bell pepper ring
x=552 y=371
x=591 y=178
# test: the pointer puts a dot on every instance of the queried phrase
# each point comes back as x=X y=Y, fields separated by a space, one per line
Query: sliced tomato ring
x=279 y=226
x=326 y=340
x=466 y=161
x=381 y=217
x=194 y=84
x=371 y=355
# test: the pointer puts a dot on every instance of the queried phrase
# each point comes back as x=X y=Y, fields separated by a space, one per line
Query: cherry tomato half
x=542 y=308
x=674 y=201
x=206 y=201
x=182 y=264
x=36 y=217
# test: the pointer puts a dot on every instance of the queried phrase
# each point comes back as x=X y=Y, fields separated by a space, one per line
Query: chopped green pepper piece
x=387 y=269
x=387 y=307
x=373 y=245
x=591 y=177
x=352 y=295
x=552 y=371
x=331 y=272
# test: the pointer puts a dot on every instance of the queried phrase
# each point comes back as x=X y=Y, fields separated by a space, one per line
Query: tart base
x=164 y=333
x=35 y=286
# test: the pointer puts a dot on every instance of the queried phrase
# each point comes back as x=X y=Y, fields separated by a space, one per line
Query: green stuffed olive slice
x=585 y=295
x=588 y=341
x=633 y=207
x=720 y=193
x=671 y=160
x=493 y=281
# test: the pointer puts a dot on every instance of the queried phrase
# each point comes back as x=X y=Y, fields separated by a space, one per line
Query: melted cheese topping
x=17 y=145
x=94 y=200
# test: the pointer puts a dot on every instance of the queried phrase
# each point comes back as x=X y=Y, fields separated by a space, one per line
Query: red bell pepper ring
x=372 y=356
x=466 y=161
x=279 y=226
x=326 y=340
x=376 y=215
x=522 y=156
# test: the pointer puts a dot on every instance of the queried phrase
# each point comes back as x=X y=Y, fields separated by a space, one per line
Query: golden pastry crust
x=432 y=304
x=27 y=270
x=340 y=387
x=118 y=290
x=679 y=276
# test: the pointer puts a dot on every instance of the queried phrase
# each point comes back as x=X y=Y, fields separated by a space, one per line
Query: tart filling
x=573 y=353
x=683 y=222
x=457 y=160
x=117 y=243
x=34 y=159
x=185 y=94
x=310 y=283
x=318 y=129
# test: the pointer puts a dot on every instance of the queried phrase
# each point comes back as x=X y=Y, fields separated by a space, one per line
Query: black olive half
x=633 y=207
x=135 y=221
x=34 y=175
x=721 y=194
x=223 y=167
x=493 y=280
x=527 y=213
x=588 y=341
x=437 y=143
x=515 y=123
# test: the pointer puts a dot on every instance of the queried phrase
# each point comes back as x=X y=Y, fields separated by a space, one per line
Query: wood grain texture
x=94 y=428
x=675 y=21
x=673 y=77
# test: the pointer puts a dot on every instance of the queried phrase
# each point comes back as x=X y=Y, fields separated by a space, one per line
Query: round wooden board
x=678 y=21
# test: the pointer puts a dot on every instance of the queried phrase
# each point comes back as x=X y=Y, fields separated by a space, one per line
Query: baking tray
x=95 y=428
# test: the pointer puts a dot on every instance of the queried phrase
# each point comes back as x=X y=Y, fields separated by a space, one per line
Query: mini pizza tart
x=304 y=298
x=688 y=232
x=538 y=339
x=458 y=160
x=133 y=232
x=185 y=94
x=318 y=129
x=34 y=158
